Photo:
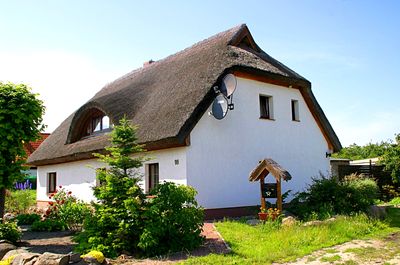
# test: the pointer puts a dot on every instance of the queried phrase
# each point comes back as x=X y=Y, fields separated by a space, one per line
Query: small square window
x=51 y=182
x=295 y=110
x=266 y=107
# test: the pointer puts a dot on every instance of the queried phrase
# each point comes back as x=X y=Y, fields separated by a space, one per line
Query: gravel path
x=61 y=243
x=55 y=242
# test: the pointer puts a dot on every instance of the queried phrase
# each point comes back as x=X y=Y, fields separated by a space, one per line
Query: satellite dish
x=228 y=85
x=219 y=107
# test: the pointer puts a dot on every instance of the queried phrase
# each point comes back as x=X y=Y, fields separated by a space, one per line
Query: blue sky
x=349 y=50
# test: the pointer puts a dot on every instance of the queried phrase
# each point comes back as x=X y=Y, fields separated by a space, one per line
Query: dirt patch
x=385 y=251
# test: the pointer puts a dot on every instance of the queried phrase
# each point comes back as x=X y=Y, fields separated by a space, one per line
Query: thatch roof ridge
x=166 y=98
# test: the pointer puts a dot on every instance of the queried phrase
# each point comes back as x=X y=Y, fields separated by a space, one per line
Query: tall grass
x=264 y=244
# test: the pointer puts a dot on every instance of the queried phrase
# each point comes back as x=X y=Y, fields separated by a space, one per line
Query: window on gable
x=51 y=182
x=266 y=107
x=295 y=110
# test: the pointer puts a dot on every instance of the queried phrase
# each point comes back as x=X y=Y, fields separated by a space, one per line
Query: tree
x=391 y=160
x=20 y=121
x=356 y=152
x=116 y=224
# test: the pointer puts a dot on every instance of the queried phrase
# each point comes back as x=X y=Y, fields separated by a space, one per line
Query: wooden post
x=263 y=206
x=278 y=194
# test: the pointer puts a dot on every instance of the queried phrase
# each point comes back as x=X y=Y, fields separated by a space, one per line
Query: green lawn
x=264 y=244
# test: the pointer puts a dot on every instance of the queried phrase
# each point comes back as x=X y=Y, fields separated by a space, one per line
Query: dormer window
x=88 y=121
x=97 y=124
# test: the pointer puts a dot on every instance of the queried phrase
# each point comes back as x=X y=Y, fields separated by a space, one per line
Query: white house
x=274 y=115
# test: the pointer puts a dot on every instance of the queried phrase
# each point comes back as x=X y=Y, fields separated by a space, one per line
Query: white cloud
x=64 y=80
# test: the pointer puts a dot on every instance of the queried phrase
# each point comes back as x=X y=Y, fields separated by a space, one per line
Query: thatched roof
x=167 y=98
x=267 y=166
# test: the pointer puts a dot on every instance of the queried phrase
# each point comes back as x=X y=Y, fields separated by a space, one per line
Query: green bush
x=173 y=220
x=68 y=209
x=19 y=201
x=328 y=196
x=9 y=231
x=27 y=219
x=48 y=225
x=395 y=201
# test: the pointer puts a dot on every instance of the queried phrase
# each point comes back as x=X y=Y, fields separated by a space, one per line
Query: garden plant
x=124 y=220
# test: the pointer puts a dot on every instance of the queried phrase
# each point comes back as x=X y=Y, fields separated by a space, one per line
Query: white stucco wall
x=80 y=176
x=223 y=152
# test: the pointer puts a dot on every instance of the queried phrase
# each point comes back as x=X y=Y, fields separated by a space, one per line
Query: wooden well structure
x=271 y=189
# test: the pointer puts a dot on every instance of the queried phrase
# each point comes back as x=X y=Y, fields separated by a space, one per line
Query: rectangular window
x=295 y=110
x=153 y=175
x=51 y=182
x=266 y=107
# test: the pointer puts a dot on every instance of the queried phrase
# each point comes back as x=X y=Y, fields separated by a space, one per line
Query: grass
x=331 y=258
x=264 y=244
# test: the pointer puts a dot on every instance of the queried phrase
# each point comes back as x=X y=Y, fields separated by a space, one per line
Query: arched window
x=88 y=121
x=97 y=124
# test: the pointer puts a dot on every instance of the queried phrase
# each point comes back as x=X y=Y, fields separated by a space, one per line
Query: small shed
x=270 y=190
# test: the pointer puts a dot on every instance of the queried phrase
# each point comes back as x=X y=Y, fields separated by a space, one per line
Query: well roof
x=166 y=98
x=267 y=166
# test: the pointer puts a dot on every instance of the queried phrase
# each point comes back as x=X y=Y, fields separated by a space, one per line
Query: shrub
x=9 y=231
x=395 y=201
x=363 y=193
x=19 y=201
x=389 y=192
x=328 y=196
x=173 y=220
x=68 y=209
x=27 y=219
x=48 y=225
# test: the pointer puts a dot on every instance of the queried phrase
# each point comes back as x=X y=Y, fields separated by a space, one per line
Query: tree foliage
x=391 y=159
x=116 y=223
x=356 y=152
x=20 y=121
x=387 y=151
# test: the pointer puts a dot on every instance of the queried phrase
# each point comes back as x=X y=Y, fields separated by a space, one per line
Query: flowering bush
x=270 y=214
x=97 y=255
x=27 y=185
x=8 y=261
x=67 y=209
